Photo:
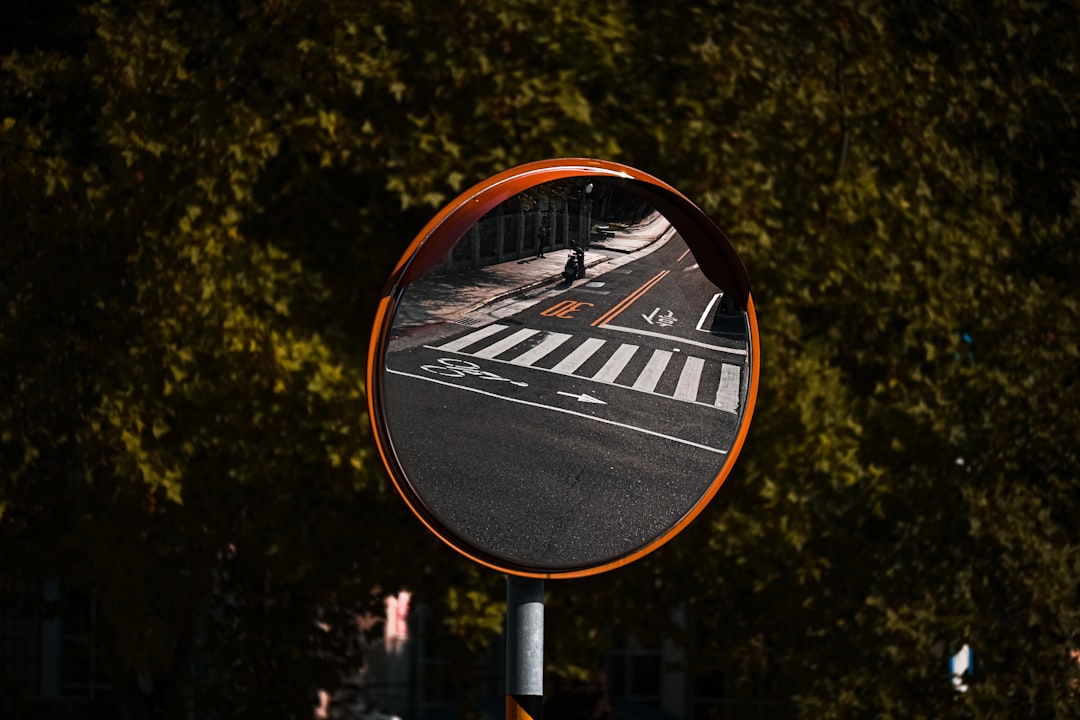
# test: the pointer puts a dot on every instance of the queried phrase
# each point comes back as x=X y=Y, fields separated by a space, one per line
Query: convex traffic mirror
x=563 y=368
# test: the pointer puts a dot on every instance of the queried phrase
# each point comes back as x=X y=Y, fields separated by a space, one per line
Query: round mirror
x=563 y=368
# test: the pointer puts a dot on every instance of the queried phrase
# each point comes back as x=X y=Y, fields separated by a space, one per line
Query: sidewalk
x=634 y=237
x=449 y=297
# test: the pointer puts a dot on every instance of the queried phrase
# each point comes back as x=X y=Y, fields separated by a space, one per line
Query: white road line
x=561 y=410
x=615 y=364
x=474 y=337
x=727 y=395
x=505 y=344
x=708 y=309
x=650 y=376
x=546 y=346
x=689 y=379
x=577 y=358
x=676 y=339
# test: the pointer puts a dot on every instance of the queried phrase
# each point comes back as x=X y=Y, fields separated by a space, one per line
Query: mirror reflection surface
x=565 y=385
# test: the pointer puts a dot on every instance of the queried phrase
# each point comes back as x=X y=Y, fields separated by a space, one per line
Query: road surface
x=581 y=424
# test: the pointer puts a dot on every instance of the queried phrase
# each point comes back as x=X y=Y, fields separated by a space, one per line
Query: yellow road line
x=629 y=300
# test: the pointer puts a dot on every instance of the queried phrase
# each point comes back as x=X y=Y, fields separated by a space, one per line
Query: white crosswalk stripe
x=547 y=346
x=558 y=353
x=650 y=376
x=505 y=344
x=727 y=395
x=472 y=338
x=689 y=379
x=577 y=358
x=615 y=364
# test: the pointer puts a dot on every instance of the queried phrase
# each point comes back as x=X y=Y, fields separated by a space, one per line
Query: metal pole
x=524 y=648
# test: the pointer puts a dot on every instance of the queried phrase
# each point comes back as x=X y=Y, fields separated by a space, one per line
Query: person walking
x=541 y=240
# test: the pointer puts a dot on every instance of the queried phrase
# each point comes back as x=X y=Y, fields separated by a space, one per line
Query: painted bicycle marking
x=458 y=368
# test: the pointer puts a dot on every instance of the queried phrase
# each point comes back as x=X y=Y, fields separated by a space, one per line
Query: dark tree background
x=199 y=201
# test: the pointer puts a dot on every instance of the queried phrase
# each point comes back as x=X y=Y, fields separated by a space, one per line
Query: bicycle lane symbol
x=458 y=368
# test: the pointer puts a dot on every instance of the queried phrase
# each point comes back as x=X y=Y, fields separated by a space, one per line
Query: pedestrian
x=541 y=241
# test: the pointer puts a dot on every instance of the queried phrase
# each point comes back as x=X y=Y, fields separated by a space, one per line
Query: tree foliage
x=199 y=202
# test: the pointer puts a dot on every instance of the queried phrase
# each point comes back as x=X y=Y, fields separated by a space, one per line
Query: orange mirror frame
x=715 y=257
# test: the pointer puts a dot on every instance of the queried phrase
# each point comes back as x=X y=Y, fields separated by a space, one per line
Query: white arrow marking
x=649 y=317
x=583 y=398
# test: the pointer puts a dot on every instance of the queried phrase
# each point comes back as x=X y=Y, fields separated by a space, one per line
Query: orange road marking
x=563 y=309
x=629 y=300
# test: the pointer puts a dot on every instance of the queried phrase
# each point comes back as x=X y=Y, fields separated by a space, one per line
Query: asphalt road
x=581 y=425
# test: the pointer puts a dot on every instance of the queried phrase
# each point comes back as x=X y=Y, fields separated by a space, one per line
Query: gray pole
x=588 y=216
x=524 y=648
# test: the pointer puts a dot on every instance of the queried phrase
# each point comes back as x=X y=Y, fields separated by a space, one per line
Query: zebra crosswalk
x=683 y=376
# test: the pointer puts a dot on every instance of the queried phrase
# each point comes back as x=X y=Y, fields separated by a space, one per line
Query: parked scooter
x=575 y=263
x=570 y=271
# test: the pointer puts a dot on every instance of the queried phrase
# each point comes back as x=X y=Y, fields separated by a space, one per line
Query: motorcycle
x=575 y=264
